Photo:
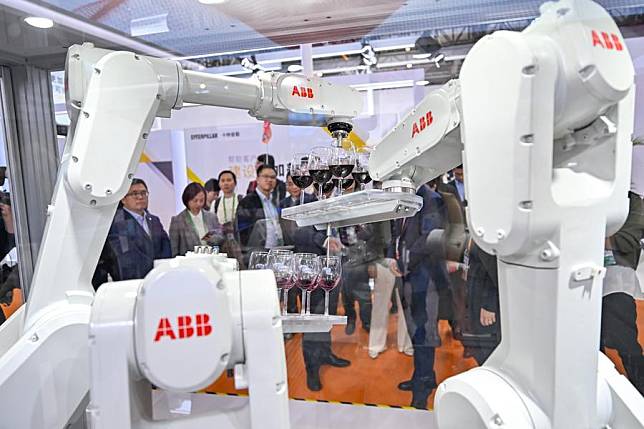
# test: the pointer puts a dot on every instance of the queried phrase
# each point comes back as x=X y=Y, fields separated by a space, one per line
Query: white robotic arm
x=425 y=144
x=112 y=99
x=547 y=116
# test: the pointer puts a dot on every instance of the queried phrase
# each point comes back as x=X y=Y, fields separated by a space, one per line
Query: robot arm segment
x=424 y=145
x=285 y=99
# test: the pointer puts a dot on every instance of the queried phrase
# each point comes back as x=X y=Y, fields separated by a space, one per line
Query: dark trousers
x=459 y=300
x=355 y=287
x=619 y=331
x=422 y=324
x=316 y=346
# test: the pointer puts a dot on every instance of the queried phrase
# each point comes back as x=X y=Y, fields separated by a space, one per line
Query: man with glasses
x=279 y=190
x=135 y=240
x=258 y=216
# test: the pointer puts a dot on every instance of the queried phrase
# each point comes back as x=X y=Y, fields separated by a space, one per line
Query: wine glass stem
x=328 y=243
x=308 y=302
x=285 y=311
x=302 y=197
x=303 y=303
x=326 y=302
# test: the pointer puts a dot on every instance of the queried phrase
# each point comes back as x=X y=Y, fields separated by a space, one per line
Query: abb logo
x=303 y=92
x=607 y=41
x=423 y=122
x=185 y=328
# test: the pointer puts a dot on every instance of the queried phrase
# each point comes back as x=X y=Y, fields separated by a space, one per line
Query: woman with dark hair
x=194 y=226
x=212 y=193
x=225 y=207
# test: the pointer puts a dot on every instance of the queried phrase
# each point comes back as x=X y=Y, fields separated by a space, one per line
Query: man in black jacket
x=279 y=191
x=424 y=275
x=619 y=313
x=258 y=217
x=136 y=238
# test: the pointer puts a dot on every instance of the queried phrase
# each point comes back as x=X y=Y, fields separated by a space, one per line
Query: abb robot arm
x=547 y=116
x=112 y=100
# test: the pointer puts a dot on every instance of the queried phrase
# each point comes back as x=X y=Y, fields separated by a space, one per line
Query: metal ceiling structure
x=358 y=36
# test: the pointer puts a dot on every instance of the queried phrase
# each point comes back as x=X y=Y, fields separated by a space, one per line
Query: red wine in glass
x=362 y=178
x=328 y=283
x=346 y=183
x=320 y=176
x=327 y=187
x=303 y=181
x=341 y=170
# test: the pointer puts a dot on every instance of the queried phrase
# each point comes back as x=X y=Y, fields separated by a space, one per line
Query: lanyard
x=223 y=201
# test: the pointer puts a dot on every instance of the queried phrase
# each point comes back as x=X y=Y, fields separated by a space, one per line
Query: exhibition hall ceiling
x=190 y=28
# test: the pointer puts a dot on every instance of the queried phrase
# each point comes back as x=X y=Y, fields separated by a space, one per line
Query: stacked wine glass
x=330 y=168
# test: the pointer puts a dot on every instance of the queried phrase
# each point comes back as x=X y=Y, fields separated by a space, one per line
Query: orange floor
x=374 y=381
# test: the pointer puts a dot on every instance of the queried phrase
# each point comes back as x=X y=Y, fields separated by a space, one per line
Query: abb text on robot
x=607 y=41
x=420 y=125
x=184 y=327
x=302 y=91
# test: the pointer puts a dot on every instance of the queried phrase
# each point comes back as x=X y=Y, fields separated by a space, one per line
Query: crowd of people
x=393 y=267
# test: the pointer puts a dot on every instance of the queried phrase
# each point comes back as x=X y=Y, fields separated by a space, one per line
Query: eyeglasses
x=263 y=176
x=138 y=194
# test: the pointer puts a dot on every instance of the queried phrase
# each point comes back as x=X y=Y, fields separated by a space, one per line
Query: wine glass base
x=294 y=323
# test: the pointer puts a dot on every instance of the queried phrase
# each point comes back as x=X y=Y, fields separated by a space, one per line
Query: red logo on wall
x=184 y=327
x=607 y=41
x=302 y=91
x=421 y=124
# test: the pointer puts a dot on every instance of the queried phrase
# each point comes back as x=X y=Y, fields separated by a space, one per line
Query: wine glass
x=281 y=263
x=306 y=268
x=361 y=170
x=299 y=170
x=344 y=183
x=258 y=261
x=329 y=277
x=327 y=188
x=319 y=166
x=342 y=162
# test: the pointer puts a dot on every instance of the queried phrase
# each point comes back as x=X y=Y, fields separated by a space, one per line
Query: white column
x=179 y=166
x=306 y=51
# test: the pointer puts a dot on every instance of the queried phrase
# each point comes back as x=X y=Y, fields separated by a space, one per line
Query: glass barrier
x=11 y=291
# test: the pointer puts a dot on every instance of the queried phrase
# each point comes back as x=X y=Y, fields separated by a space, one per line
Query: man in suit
x=289 y=228
x=258 y=217
x=279 y=191
x=316 y=346
x=424 y=275
x=453 y=194
x=136 y=238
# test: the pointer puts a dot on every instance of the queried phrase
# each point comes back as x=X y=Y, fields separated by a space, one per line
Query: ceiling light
x=409 y=65
x=422 y=82
x=39 y=22
x=212 y=1
x=294 y=68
